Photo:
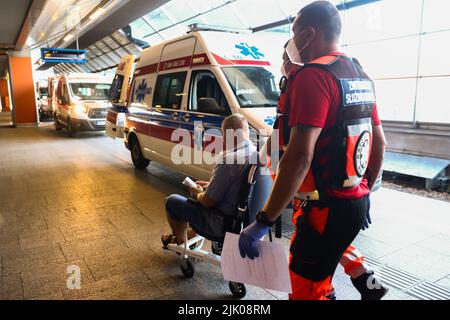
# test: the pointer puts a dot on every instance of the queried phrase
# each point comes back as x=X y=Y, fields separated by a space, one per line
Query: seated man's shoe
x=369 y=286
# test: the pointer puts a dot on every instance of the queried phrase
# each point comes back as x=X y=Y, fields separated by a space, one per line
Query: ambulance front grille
x=97 y=114
x=390 y=276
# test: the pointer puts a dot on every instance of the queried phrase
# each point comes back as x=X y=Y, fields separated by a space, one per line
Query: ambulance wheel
x=72 y=131
x=237 y=289
x=187 y=267
x=56 y=122
x=136 y=154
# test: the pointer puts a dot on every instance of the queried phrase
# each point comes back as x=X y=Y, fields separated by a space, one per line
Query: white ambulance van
x=202 y=76
x=81 y=102
x=118 y=97
x=52 y=85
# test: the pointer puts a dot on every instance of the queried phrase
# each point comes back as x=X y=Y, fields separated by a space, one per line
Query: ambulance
x=81 y=102
x=200 y=77
x=52 y=84
x=42 y=98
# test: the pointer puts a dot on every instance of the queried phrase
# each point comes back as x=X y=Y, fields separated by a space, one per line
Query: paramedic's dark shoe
x=369 y=286
x=332 y=294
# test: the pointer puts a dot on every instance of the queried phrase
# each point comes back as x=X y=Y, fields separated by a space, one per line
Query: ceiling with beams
x=12 y=16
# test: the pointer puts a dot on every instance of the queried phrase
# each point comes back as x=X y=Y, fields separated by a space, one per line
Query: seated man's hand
x=203 y=184
x=248 y=238
x=194 y=191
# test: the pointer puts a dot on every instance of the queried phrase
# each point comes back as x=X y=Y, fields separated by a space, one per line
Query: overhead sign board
x=58 y=55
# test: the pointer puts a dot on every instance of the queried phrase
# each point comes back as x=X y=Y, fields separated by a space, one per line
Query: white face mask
x=294 y=53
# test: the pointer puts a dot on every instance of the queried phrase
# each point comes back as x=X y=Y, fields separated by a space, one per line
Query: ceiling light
x=97 y=14
x=68 y=37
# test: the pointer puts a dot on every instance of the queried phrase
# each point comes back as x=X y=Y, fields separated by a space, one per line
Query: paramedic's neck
x=320 y=50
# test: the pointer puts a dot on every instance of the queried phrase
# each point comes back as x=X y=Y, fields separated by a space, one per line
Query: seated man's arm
x=217 y=187
x=205 y=200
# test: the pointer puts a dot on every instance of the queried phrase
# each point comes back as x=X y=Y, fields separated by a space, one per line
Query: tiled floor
x=78 y=203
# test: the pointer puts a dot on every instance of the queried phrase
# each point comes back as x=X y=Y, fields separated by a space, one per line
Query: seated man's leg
x=180 y=212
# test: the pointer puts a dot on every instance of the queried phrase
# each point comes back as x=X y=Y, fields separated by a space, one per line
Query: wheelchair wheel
x=187 y=267
x=237 y=289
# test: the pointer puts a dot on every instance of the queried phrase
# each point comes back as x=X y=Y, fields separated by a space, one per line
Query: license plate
x=101 y=123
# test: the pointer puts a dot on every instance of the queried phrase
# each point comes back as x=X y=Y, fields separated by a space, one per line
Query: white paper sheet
x=189 y=183
x=270 y=270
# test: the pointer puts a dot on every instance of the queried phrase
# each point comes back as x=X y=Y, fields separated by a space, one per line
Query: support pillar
x=22 y=90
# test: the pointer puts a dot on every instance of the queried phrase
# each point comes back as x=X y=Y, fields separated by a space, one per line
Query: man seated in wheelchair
x=213 y=205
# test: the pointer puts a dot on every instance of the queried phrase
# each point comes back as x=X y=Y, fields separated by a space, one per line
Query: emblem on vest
x=362 y=153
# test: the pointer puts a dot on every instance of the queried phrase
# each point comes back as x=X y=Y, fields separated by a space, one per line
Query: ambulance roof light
x=204 y=27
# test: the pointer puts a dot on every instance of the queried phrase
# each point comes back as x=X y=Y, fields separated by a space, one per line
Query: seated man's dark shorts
x=206 y=222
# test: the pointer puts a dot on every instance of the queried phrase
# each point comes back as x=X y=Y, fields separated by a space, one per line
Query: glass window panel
x=434 y=54
x=154 y=39
x=133 y=49
x=382 y=20
x=433 y=100
x=205 y=5
x=223 y=17
x=89 y=66
x=85 y=68
x=107 y=59
x=140 y=28
x=178 y=10
x=386 y=59
x=110 y=42
x=395 y=99
x=89 y=53
x=436 y=15
x=121 y=52
x=100 y=62
x=159 y=19
x=173 y=32
x=114 y=57
x=121 y=38
x=292 y=7
x=100 y=45
x=94 y=65
x=262 y=12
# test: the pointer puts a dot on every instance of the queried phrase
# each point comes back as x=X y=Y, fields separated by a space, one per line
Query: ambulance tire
x=136 y=154
x=72 y=131
x=56 y=122
x=237 y=289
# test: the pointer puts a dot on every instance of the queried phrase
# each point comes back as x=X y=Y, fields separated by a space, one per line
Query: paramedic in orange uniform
x=352 y=260
x=335 y=136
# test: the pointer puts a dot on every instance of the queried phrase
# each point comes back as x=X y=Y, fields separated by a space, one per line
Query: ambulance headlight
x=79 y=108
x=121 y=119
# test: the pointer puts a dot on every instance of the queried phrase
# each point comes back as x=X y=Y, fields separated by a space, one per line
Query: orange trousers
x=352 y=261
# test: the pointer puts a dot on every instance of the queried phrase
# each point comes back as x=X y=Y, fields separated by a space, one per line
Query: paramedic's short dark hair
x=324 y=16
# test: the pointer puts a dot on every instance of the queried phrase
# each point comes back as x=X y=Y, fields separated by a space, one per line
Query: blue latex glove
x=368 y=219
x=248 y=238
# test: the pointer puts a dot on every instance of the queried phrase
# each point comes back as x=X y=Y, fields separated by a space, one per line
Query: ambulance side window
x=169 y=90
x=205 y=85
x=116 y=88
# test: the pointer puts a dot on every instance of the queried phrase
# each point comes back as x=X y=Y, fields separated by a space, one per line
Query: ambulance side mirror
x=209 y=105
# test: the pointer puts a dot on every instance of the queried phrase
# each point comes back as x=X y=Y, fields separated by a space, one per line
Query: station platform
x=79 y=202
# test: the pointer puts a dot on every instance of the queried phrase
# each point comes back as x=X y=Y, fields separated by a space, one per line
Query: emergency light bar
x=204 y=27
x=59 y=55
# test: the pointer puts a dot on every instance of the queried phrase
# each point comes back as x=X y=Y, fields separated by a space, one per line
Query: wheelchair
x=254 y=190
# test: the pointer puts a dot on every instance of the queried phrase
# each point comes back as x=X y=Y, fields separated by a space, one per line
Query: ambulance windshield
x=91 y=91
x=254 y=87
